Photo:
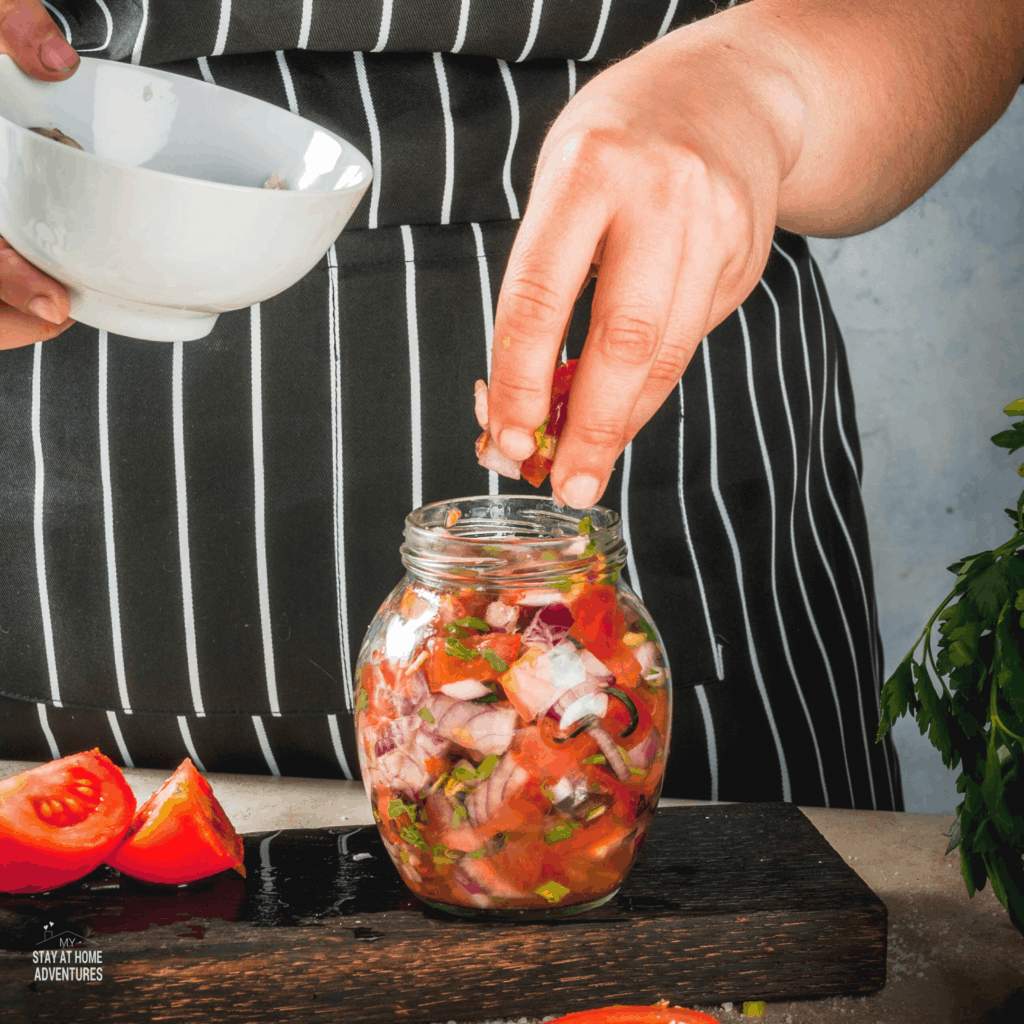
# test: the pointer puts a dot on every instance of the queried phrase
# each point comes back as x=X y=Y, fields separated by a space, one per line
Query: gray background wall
x=932 y=311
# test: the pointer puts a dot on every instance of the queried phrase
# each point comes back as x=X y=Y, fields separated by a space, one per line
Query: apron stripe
x=488 y=310
x=204 y=70
x=286 y=78
x=186 y=737
x=44 y=723
x=385 y=26
x=734 y=546
x=412 y=327
x=108 y=529
x=177 y=403
x=140 y=38
x=449 y=139
x=115 y=729
x=261 y=734
x=769 y=476
x=222 y=28
x=259 y=490
x=792 y=535
x=371 y=120
x=599 y=34
x=506 y=175
x=307 y=20
x=40 y=482
x=669 y=15
x=627 y=465
x=460 y=36
x=534 y=25
x=110 y=30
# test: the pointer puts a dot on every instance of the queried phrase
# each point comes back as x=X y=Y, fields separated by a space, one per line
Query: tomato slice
x=536 y=468
x=60 y=820
x=658 y=1014
x=181 y=833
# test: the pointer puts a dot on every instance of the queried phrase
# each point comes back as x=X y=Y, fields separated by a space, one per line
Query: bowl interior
x=137 y=117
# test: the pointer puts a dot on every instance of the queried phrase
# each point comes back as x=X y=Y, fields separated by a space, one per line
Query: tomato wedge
x=180 y=834
x=536 y=468
x=637 y=1015
x=59 y=821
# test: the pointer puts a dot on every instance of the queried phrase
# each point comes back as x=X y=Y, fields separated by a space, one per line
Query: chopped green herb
x=458 y=650
x=548 y=556
x=585 y=525
x=363 y=700
x=558 y=833
x=596 y=812
x=487 y=766
x=595 y=759
x=459 y=814
x=552 y=891
x=562 y=583
x=427 y=716
x=477 y=854
x=489 y=699
x=494 y=659
x=468 y=622
x=411 y=834
x=637 y=771
x=396 y=808
x=590 y=548
x=464 y=773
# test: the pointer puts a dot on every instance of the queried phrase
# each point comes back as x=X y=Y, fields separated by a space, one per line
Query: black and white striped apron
x=195 y=536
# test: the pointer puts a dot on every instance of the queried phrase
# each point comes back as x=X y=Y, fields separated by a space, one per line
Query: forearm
x=873 y=100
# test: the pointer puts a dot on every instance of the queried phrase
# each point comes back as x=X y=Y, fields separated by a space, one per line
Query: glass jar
x=513 y=709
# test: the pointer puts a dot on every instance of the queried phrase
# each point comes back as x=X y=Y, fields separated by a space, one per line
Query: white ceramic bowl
x=162 y=223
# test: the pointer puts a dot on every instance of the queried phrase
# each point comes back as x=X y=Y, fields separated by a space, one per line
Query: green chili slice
x=634 y=715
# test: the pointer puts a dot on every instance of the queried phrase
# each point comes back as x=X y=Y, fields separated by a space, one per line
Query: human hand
x=33 y=307
x=665 y=170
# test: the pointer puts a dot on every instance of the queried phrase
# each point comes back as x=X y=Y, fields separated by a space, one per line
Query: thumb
x=30 y=36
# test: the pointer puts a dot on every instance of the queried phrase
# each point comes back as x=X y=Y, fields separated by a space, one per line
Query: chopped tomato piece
x=598 y=621
x=180 y=833
x=538 y=465
x=59 y=821
x=443 y=667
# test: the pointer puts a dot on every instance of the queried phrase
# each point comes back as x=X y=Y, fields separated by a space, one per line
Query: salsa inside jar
x=513 y=740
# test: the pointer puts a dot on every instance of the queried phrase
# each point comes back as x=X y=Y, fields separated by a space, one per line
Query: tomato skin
x=96 y=805
x=180 y=834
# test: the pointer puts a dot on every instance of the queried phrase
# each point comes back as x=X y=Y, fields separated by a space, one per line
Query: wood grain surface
x=727 y=902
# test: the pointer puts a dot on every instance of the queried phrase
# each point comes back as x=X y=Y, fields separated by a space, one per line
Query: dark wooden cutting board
x=727 y=902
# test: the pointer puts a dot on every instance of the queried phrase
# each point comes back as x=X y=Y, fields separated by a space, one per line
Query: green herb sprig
x=969 y=698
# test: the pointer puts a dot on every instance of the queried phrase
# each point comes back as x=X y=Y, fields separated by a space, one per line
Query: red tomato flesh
x=536 y=468
x=59 y=821
x=180 y=834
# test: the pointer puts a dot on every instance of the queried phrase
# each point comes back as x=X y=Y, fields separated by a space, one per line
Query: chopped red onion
x=507 y=779
x=549 y=627
x=477 y=727
x=465 y=689
x=611 y=753
x=490 y=456
x=646 y=752
x=501 y=616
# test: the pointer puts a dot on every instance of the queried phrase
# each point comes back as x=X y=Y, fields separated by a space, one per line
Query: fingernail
x=57 y=54
x=517 y=444
x=45 y=310
x=580 y=491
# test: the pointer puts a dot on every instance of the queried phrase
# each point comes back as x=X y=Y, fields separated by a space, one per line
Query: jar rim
x=509 y=539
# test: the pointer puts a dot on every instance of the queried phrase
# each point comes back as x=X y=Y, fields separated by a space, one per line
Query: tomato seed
x=85 y=790
x=45 y=810
x=72 y=804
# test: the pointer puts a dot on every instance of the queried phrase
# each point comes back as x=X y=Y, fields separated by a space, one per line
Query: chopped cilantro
x=548 y=556
x=489 y=699
x=463 y=773
x=585 y=525
x=426 y=715
x=477 y=854
x=487 y=766
x=396 y=808
x=552 y=891
x=595 y=759
x=457 y=649
x=493 y=659
x=411 y=834
x=459 y=814
x=363 y=700
x=558 y=833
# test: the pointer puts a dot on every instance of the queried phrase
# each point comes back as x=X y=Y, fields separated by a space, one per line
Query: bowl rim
x=169 y=75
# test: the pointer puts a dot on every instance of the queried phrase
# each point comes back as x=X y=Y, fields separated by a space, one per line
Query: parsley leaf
x=493 y=659
x=966 y=691
x=457 y=649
